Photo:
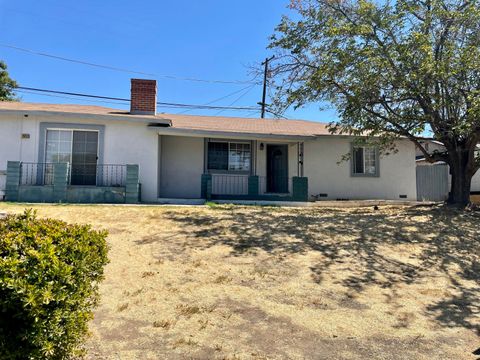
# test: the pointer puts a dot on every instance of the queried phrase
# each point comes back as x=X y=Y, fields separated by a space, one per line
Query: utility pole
x=264 y=97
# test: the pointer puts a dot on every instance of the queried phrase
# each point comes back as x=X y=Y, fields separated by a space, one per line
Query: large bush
x=49 y=276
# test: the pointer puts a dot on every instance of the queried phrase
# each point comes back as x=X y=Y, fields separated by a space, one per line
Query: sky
x=218 y=40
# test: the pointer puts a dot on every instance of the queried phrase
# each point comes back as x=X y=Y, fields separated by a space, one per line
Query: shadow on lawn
x=449 y=242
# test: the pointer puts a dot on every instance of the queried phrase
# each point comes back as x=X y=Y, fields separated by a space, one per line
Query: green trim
x=13 y=181
x=60 y=191
x=132 y=188
x=300 y=191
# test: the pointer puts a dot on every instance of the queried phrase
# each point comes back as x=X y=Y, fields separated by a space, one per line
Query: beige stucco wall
x=326 y=176
x=125 y=143
x=182 y=162
x=181 y=167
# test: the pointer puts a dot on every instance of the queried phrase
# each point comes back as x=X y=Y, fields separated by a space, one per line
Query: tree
x=392 y=69
x=7 y=85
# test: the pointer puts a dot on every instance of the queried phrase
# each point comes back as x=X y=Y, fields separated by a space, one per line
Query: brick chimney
x=143 y=98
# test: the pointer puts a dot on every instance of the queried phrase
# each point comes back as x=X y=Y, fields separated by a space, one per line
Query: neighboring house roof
x=187 y=123
x=440 y=143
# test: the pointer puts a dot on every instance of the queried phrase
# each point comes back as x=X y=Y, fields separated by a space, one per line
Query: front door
x=277 y=168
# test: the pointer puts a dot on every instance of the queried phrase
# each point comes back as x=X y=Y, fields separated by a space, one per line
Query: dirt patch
x=274 y=283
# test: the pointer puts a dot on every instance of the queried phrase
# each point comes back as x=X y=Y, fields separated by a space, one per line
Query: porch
x=60 y=183
x=243 y=169
x=253 y=187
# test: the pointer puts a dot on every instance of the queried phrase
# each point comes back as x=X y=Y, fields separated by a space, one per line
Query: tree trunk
x=460 y=169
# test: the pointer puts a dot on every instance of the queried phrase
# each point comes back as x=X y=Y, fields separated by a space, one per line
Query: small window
x=229 y=156
x=364 y=161
x=239 y=157
x=217 y=156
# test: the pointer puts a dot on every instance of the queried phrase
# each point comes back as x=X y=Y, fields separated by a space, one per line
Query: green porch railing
x=33 y=182
x=244 y=187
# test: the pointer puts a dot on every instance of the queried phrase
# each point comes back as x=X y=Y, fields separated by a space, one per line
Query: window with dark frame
x=228 y=156
x=365 y=161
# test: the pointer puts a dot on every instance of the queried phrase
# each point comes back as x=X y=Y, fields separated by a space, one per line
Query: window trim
x=45 y=126
x=228 y=141
x=352 y=162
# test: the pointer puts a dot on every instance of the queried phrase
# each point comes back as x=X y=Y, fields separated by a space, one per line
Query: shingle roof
x=188 y=122
x=247 y=125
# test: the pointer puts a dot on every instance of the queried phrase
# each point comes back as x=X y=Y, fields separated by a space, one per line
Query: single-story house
x=74 y=153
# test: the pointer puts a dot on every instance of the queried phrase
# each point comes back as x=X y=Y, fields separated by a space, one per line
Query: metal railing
x=227 y=184
x=112 y=175
x=36 y=173
x=275 y=185
x=231 y=184
x=98 y=175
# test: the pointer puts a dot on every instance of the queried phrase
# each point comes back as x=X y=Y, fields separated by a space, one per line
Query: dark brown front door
x=277 y=168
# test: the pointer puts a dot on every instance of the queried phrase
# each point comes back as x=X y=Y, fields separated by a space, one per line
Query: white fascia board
x=227 y=134
x=72 y=115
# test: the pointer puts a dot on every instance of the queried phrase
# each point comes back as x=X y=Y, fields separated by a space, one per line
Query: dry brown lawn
x=233 y=282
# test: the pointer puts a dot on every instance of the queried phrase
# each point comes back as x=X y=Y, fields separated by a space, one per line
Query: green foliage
x=391 y=68
x=49 y=276
x=7 y=85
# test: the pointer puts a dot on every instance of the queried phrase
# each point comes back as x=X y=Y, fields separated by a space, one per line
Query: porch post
x=300 y=154
x=300 y=188
x=253 y=186
x=206 y=191
x=132 y=185
x=60 y=182
x=13 y=180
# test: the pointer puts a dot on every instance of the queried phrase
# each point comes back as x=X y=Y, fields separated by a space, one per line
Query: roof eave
x=227 y=134
x=76 y=115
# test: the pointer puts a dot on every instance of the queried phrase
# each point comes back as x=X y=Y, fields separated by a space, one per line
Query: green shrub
x=49 y=276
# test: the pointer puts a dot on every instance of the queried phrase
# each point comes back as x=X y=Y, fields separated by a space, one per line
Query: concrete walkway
x=201 y=202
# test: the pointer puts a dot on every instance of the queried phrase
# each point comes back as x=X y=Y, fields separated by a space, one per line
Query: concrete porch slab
x=171 y=201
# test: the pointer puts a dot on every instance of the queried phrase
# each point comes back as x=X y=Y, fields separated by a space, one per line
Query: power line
x=68 y=97
x=221 y=98
x=161 y=104
x=237 y=99
x=114 y=68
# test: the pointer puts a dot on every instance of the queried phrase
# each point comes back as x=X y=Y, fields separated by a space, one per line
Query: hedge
x=49 y=277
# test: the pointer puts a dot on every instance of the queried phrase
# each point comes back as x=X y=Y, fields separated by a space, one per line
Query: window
x=59 y=146
x=217 y=156
x=239 y=157
x=78 y=148
x=364 y=161
x=228 y=156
